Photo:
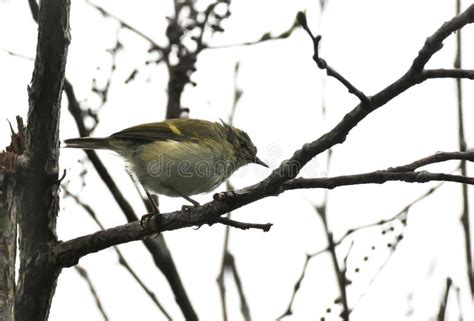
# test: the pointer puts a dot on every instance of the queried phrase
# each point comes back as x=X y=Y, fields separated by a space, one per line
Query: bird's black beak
x=260 y=162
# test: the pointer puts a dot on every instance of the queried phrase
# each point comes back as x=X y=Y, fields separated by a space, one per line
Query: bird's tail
x=88 y=143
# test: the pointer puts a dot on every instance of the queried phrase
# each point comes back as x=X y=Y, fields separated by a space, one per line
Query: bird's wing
x=176 y=129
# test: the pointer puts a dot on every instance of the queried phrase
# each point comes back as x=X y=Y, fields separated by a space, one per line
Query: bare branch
x=121 y=258
x=83 y=273
x=465 y=221
x=449 y=73
x=377 y=177
x=340 y=271
x=15 y=54
x=435 y=158
x=105 y=13
x=322 y=64
x=8 y=221
x=444 y=303
x=228 y=260
x=37 y=197
x=226 y=202
x=289 y=309
x=266 y=37
x=156 y=246
x=68 y=253
x=401 y=215
x=241 y=225
x=290 y=168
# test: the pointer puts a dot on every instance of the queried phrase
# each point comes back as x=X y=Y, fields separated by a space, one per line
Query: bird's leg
x=154 y=208
x=188 y=207
x=190 y=200
x=153 y=204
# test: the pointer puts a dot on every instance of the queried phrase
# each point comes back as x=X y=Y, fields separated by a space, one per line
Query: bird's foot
x=185 y=208
x=145 y=218
x=223 y=195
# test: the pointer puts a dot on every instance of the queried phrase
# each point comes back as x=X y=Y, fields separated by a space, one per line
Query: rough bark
x=7 y=246
x=8 y=221
x=37 y=170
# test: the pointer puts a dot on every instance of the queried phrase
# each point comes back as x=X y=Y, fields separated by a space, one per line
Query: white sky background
x=372 y=43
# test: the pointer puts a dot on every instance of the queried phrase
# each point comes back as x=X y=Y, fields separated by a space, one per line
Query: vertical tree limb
x=462 y=147
x=444 y=303
x=8 y=221
x=37 y=181
x=156 y=246
x=83 y=273
x=228 y=259
x=7 y=245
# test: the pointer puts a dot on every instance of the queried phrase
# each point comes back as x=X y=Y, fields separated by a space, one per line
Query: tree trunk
x=37 y=170
x=7 y=245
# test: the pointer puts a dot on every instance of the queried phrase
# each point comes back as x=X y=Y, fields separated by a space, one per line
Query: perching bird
x=178 y=157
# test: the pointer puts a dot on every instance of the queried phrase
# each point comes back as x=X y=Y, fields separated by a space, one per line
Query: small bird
x=178 y=157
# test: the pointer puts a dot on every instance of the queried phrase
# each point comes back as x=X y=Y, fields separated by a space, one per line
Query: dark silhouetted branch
x=243 y=226
x=465 y=220
x=322 y=64
x=121 y=258
x=448 y=73
x=37 y=193
x=266 y=37
x=124 y=24
x=339 y=270
x=8 y=220
x=83 y=273
x=282 y=177
x=444 y=303
x=228 y=259
x=156 y=246
x=401 y=215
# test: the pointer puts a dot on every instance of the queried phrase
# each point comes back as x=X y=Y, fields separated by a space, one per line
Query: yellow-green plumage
x=179 y=157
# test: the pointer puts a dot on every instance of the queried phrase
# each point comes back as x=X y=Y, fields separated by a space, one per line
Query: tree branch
x=83 y=273
x=377 y=177
x=8 y=221
x=156 y=246
x=338 y=269
x=444 y=303
x=449 y=73
x=155 y=45
x=121 y=258
x=465 y=217
x=69 y=252
x=37 y=193
x=243 y=226
x=322 y=64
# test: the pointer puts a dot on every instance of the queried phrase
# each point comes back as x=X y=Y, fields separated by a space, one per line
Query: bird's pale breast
x=180 y=168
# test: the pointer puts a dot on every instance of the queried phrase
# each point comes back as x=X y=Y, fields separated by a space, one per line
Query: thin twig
x=339 y=271
x=322 y=64
x=444 y=303
x=156 y=246
x=399 y=215
x=69 y=252
x=126 y=25
x=15 y=54
x=83 y=273
x=121 y=257
x=266 y=37
x=242 y=225
x=462 y=147
x=228 y=259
